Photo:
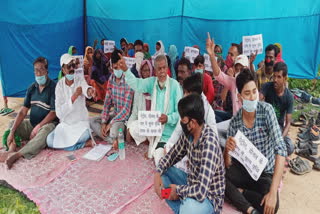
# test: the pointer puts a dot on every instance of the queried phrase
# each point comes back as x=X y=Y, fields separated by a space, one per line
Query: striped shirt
x=265 y=135
x=206 y=177
x=120 y=96
x=40 y=104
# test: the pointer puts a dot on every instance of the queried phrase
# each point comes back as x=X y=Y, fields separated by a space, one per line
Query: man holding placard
x=165 y=94
x=258 y=122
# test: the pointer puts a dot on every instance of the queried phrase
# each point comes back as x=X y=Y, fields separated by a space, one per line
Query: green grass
x=12 y=202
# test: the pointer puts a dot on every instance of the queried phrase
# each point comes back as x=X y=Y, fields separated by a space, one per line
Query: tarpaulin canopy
x=38 y=28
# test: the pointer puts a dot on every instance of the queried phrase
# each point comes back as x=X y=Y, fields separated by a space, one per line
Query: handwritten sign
x=191 y=53
x=108 y=46
x=149 y=124
x=130 y=61
x=251 y=44
x=249 y=156
x=79 y=59
x=207 y=62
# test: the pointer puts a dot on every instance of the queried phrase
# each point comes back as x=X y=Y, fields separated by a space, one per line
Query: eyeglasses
x=71 y=65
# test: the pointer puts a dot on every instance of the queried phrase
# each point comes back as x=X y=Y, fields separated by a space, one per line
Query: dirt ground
x=300 y=194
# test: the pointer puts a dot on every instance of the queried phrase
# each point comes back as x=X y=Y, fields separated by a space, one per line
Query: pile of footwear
x=307 y=144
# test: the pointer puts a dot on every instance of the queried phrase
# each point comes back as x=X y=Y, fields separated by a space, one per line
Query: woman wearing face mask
x=73 y=132
x=100 y=75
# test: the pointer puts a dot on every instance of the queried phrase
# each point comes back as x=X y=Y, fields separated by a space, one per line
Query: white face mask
x=249 y=105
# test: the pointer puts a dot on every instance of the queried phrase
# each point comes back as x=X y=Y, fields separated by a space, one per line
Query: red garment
x=208 y=88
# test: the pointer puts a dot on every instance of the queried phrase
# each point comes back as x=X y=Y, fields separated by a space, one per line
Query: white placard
x=80 y=57
x=249 y=156
x=97 y=152
x=130 y=61
x=207 y=62
x=251 y=44
x=108 y=46
x=191 y=53
x=78 y=73
x=149 y=124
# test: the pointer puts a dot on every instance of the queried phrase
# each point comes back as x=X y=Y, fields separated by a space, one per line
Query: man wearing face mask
x=207 y=82
x=265 y=73
x=202 y=190
x=229 y=82
x=165 y=93
x=139 y=55
x=258 y=122
x=73 y=131
x=40 y=99
x=119 y=96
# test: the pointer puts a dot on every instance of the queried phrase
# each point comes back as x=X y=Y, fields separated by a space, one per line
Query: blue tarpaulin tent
x=36 y=28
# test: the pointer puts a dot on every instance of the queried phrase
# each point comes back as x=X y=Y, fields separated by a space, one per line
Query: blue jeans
x=189 y=205
x=79 y=145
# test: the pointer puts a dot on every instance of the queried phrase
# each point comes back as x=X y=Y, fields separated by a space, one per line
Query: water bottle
x=121 y=144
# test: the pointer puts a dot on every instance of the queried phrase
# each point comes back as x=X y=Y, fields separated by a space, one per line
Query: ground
x=300 y=194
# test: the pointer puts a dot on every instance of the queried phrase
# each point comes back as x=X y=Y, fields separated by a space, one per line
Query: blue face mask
x=249 y=106
x=198 y=71
x=70 y=77
x=117 y=73
x=41 y=80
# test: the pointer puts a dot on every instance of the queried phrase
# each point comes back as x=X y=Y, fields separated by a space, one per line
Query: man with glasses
x=40 y=100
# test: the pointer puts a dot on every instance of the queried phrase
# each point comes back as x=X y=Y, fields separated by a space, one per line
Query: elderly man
x=40 y=99
x=165 y=94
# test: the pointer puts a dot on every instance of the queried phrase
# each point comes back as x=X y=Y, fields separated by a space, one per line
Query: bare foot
x=146 y=156
x=12 y=159
x=115 y=144
x=4 y=156
x=89 y=143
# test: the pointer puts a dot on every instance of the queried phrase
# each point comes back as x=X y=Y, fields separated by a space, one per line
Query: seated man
x=165 y=93
x=202 y=190
x=141 y=101
x=73 y=132
x=192 y=85
x=258 y=122
x=279 y=96
x=40 y=99
x=207 y=82
x=119 y=96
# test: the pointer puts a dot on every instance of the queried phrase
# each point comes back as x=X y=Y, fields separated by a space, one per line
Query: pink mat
x=39 y=171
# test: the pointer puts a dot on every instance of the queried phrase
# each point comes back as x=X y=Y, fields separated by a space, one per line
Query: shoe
x=312 y=135
x=317 y=122
x=315 y=101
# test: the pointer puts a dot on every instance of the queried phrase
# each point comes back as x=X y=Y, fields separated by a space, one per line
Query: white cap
x=66 y=59
x=243 y=60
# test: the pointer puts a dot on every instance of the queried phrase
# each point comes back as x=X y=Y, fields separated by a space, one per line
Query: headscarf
x=279 y=56
x=149 y=65
x=219 y=54
x=87 y=60
x=70 y=50
x=147 y=55
x=173 y=55
x=161 y=51
x=99 y=68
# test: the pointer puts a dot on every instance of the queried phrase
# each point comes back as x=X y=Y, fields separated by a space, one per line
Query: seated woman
x=100 y=74
x=73 y=132
x=141 y=102
x=87 y=63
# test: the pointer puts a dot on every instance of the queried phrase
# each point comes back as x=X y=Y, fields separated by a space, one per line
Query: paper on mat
x=251 y=44
x=249 y=156
x=97 y=152
x=149 y=124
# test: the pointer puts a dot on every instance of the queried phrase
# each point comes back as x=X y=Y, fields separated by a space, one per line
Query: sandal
x=316 y=164
x=309 y=153
x=301 y=167
x=298 y=122
x=7 y=111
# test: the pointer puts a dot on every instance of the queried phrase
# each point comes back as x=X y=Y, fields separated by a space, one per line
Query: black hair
x=102 y=40
x=243 y=78
x=239 y=47
x=123 y=40
x=185 y=61
x=158 y=43
x=41 y=60
x=192 y=106
x=193 y=83
x=138 y=42
x=281 y=66
x=273 y=47
x=199 y=59
x=115 y=56
x=169 y=62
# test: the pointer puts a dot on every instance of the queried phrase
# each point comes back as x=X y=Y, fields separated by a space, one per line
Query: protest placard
x=191 y=53
x=80 y=59
x=249 y=156
x=207 y=62
x=130 y=61
x=149 y=124
x=251 y=44
x=108 y=46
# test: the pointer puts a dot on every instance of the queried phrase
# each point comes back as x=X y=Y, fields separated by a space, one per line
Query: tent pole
x=84 y=24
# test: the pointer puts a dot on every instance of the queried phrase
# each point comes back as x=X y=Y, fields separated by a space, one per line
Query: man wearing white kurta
x=192 y=84
x=73 y=132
